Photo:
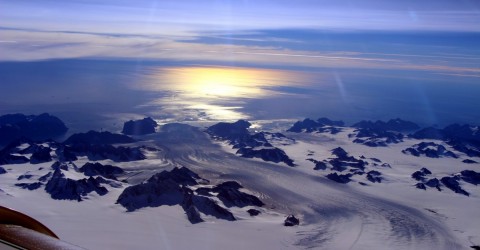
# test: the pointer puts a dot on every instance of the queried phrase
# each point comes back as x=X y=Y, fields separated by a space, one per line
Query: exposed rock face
x=420 y=175
x=380 y=134
x=319 y=165
x=96 y=152
x=398 y=125
x=471 y=177
x=267 y=154
x=434 y=182
x=29 y=186
x=374 y=176
x=177 y=187
x=377 y=138
x=94 y=137
x=463 y=138
x=61 y=165
x=249 y=146
x=344 y=161
x=2 y=170
x=291 y=221
x=230 y=195
x=61 y=188
x=41 y=127
x=140 y=127
x=107 y=171
x=12 y=159
x=452 y=183
x=429 y=149
x=41 y=154
x=469 y=161
x=253 y=212
x=342 y=178
x=321 y=125
x=234 y=132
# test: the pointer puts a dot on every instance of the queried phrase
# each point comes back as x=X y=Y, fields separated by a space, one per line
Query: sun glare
x=218 y=91
x=219 y=82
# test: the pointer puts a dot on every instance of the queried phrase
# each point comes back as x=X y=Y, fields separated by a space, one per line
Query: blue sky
x=436 y=36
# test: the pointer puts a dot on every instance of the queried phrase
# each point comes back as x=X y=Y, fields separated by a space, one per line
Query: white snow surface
x=388 y=215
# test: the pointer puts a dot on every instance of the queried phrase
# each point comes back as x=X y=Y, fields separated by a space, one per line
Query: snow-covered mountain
x=318 y=184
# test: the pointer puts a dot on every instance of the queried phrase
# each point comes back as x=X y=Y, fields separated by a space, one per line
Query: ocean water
x=102 y=94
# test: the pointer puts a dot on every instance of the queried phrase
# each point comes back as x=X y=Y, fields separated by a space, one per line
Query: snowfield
x=391 y=214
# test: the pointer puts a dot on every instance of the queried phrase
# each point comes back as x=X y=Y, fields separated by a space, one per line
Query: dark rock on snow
x=342 y=178
x=322 y=125
x=41 y=127
x=421 y=186
x=140 y=127
x=107 y=171
x=374 y=176
x=470 y=176
x=398 y=125
x=253 y=212
x=291 y=221
x=29 y=186
x=434 y=182
x=94 y=137
x=61 y=188
x=267 y=154
x=429 y=149
x=452 y=183
x=2 y=170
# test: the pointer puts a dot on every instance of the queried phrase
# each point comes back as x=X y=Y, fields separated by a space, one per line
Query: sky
x=439 y=36
x=431 y=48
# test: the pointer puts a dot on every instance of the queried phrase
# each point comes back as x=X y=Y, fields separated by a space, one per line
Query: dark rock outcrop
x=2 y=170
x=342 y=178
x=61 y=188
x=321 y=125
x=434 y=182
x=253 y=212
x=177 y=187
x=41 y=155
x=319 y=165
x=377 y=138
x=421 y=186
x=344 y=161
x=6 y=159
x=398 y=125
x=380 y=134
x=463 y=138
x=230 y=195
x=29 y=186
x=374 y=176
x=107 y=171
x=452 y=184
x=249 y=145
x=429 y=149
x=41 y=127
x=267 y=154
x=420 y=175
x=469 y=161
x=470 y=176
x=291 y=221
x=94 y=137
x=96 y=152
x=236 y=131
x=140 y=127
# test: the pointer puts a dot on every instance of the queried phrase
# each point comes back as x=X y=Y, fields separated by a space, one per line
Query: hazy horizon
x=261 y=60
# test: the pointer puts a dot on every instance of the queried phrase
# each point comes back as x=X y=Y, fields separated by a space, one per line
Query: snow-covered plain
x=392 y=214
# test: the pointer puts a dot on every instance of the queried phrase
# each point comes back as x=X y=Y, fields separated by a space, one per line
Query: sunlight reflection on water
x=217 y=93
